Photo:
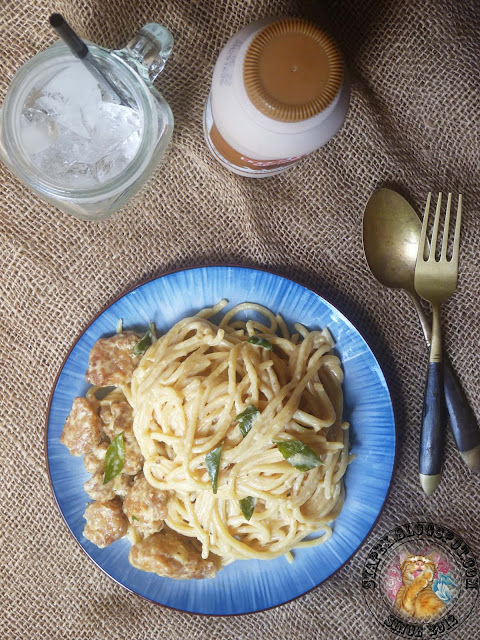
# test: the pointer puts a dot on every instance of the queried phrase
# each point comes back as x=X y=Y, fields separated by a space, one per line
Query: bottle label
x=233 y=159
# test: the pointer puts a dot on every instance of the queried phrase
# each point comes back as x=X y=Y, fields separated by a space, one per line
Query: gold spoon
x=391 y=234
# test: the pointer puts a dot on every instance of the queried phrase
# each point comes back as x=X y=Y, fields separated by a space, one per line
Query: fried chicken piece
x=106 y=522
x=81 y=432
x=118 y=418
x=111 y=360
x=94 y=460
x=105 y=414
x=96 y=490
x=171 y=555
x=133 y=461
x=145 y=506
x=122 y=484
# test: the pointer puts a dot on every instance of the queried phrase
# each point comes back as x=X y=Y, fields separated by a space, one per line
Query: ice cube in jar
x=75 y=134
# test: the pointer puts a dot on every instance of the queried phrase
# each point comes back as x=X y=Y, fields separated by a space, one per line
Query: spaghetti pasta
x=189 y=393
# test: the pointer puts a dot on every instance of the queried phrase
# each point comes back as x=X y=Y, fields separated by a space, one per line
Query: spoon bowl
x=391 y=233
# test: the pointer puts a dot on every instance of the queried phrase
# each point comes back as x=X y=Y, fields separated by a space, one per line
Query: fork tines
x=429 y=255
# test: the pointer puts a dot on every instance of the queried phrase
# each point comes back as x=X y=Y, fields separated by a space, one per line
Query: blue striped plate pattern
x=253 y=585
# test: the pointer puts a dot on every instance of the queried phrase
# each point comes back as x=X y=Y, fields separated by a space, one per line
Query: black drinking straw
x=81 y=51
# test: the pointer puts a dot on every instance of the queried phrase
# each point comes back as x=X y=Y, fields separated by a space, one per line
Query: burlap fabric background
x=413 y=123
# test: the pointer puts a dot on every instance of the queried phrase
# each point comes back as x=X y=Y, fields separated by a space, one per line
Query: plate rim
x=123 y=294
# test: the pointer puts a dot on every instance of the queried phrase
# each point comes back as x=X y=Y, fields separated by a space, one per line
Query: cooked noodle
x=186 y=393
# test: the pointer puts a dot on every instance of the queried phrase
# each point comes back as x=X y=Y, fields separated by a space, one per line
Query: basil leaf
x=114 y=458
x=146 y=340
x=212 y=462
x=298 y=454
x=246 y=418
x=135 y=518
x=260 y=342
x=247 y=505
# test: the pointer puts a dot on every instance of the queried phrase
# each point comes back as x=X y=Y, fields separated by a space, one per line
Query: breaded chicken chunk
x=81 y=432
x=171 y=555
x=106 y=522
x=112 y=361
x=145 y=506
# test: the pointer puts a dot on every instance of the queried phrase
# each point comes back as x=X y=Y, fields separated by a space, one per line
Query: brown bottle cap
x=292 y=70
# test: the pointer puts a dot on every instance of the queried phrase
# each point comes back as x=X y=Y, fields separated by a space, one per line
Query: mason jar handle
x=149 y=50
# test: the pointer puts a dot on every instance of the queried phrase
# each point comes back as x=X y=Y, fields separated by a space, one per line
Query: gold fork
x=435 y=281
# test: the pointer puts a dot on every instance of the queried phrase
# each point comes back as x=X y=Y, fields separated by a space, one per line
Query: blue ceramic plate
x=251 y=585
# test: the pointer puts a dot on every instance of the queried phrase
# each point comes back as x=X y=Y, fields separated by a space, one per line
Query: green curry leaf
x=247 y=505
x=114 y=458
x=298 y=454
x=145 y=341
x=212 y=462
x=260 y=342
x=246 y=419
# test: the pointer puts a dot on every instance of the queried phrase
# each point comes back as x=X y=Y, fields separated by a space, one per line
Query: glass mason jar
x=133 y=70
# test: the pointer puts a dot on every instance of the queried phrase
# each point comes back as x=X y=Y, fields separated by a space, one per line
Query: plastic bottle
x=279 y=92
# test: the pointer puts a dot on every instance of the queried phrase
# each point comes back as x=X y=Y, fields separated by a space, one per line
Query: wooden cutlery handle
x=433 y=429
x=464 y=425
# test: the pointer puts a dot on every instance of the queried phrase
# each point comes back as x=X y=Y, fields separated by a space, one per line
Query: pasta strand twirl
x=187 y=392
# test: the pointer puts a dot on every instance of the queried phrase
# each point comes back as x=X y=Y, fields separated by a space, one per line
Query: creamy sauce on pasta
x=187 y=393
